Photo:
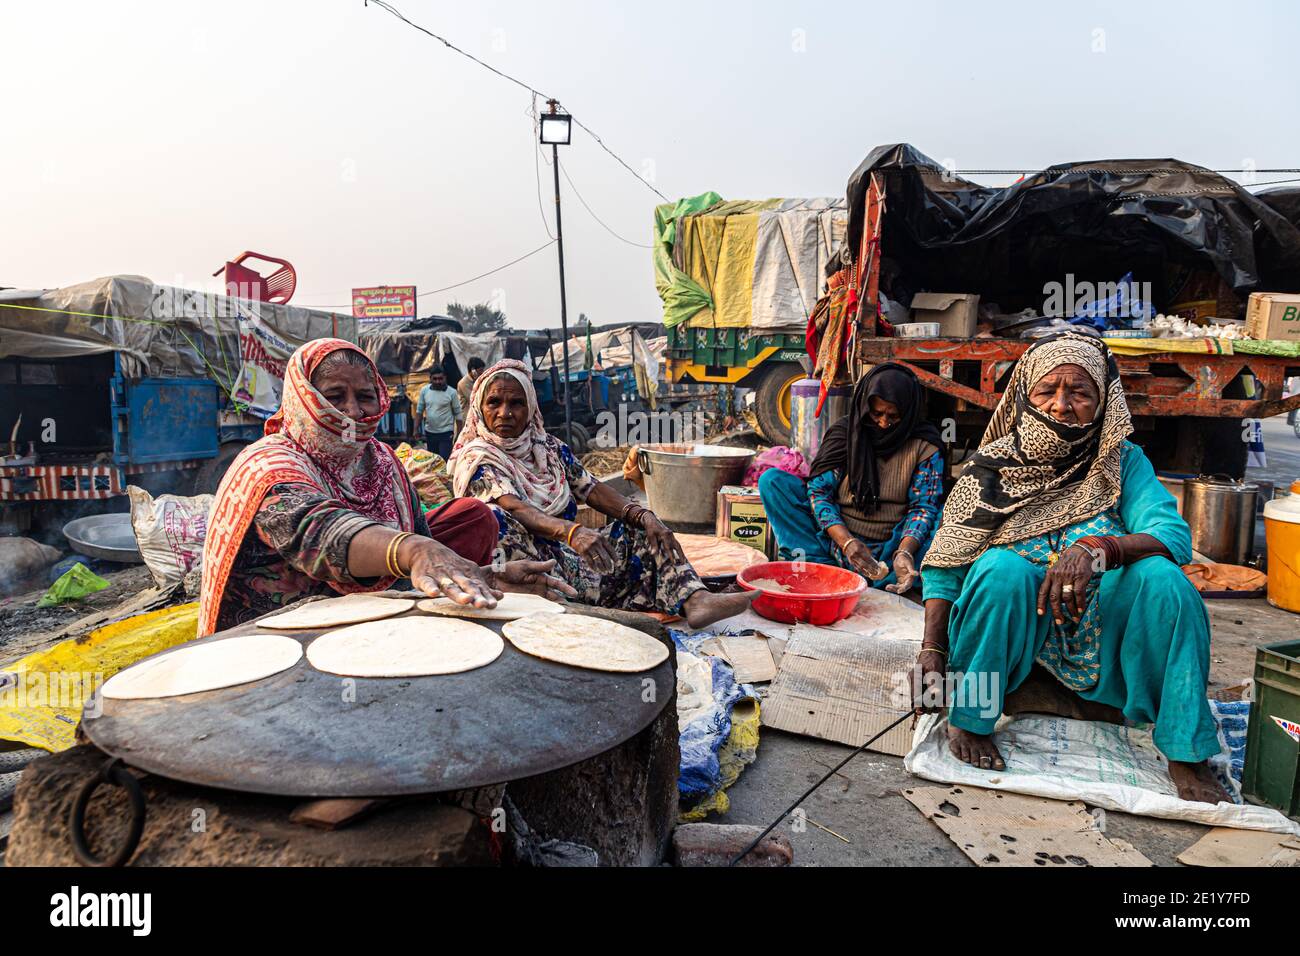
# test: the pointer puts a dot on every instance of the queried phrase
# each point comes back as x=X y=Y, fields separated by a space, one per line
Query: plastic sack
x=74 y=584
x=428 y=473
x=780 y=456
x=715 y=748
x=1105 y=765
x=169 y=531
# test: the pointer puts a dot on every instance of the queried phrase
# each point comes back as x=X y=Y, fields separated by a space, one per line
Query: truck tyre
x=772 y=400
x=214 y=469
x=581 y=439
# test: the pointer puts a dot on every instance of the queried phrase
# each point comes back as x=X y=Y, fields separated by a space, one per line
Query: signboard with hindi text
x=384 y=302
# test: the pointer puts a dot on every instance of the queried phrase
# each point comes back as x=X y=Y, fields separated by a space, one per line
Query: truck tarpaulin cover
x=743 y=263
x=162 y=331
x=1095 y=220
x=405 y=348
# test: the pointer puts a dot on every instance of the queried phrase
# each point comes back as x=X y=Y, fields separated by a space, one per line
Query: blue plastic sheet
x=703 y=737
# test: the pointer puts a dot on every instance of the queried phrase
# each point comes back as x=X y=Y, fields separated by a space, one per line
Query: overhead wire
x=455 y=285
x=384 y=5
x=586 y=206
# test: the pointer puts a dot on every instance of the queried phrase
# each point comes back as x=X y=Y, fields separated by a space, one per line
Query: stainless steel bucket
x=1221 y=514
x=682 y=480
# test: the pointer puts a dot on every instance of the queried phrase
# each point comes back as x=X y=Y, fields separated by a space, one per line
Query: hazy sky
x=160 y=138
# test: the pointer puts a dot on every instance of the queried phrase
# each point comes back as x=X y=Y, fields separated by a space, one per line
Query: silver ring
x=1067 y=589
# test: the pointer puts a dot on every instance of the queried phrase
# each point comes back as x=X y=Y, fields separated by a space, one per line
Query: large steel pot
x=1221 y=514
x=682 y=480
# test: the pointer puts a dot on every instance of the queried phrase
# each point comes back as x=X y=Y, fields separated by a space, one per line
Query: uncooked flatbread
x=509 y=608
x=210 y=666
x=411 y=647
x=335 y=612
x=589 y=642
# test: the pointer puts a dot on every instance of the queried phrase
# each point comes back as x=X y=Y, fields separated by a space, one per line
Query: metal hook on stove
x=112 y=772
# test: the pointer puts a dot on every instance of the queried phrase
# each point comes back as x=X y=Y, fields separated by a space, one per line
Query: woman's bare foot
x=974 y=749
x=1195 y=782
x=1041 y=693
x=704 y=607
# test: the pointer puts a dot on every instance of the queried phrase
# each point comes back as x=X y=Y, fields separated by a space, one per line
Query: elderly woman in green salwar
x=1053 y=584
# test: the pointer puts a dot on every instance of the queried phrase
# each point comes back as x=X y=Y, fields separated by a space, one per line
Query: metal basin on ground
x=108 y=537
x=682 y=480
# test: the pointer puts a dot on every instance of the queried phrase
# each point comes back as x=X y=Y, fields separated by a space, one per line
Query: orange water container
x=1282 y=531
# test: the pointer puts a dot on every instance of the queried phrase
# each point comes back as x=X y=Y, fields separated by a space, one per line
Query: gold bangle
x=569 y=540
x=390 y=554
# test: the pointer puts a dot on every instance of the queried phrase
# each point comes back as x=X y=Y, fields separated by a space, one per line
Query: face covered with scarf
x=311 y=441
x=1041 y=466
x=504 y=428
x=858 y=442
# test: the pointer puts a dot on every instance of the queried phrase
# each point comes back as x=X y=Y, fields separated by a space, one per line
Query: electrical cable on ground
x=809 y=792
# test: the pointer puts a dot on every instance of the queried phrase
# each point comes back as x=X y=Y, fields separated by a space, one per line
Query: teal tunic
x=1143 y=645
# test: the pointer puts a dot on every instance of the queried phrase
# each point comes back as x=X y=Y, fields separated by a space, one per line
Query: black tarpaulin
x=1096 y=220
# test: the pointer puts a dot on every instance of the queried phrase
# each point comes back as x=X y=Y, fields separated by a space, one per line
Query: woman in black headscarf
x=872 y=501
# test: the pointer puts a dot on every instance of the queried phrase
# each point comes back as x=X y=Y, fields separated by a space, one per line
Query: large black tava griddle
x=293 y=734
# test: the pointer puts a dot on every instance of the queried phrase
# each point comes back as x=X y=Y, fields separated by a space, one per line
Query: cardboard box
x=1273 y=315
x=742 y=518
x=956 y=312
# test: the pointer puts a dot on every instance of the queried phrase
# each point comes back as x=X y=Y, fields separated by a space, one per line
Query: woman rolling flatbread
x=319 y=506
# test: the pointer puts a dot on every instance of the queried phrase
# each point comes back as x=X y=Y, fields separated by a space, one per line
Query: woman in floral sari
x=505 y=457
x=319 y=506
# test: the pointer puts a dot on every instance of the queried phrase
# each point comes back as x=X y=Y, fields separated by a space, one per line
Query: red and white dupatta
x=308 y=441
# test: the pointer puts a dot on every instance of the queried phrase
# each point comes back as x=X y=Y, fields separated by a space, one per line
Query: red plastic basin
x=819 y=593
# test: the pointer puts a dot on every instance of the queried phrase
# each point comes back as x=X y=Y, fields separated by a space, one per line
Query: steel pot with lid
x=1221 y=513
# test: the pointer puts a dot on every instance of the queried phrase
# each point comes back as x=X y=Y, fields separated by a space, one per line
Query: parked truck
x=739 y=280
x=1194 y=244
x=120 y=381
x=1191 y=243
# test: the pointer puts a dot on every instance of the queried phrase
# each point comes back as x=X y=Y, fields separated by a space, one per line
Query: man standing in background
x=474 y=368
x=439 y=414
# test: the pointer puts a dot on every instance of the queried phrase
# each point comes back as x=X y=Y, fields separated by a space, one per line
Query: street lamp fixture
x=554 y=130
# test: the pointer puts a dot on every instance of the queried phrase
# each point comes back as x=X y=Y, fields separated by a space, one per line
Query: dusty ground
x=24 y=626
x=863 y=803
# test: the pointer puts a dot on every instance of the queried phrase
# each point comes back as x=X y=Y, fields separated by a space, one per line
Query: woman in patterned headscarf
x=319 y=506
x=534 y=485
x=1053 y=583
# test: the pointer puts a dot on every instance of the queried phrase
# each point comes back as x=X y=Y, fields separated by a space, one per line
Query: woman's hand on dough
x=532 y=577
x=439 y=571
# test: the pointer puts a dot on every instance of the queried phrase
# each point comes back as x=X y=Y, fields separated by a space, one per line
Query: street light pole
x=564 y=305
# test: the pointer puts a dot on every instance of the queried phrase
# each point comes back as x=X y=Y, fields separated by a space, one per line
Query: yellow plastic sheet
x=42 y=694
x=717 y=251
x=1203 y=346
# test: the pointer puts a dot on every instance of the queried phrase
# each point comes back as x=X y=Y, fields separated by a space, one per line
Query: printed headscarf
x=1032 y=474
x=307 y=441
x=531 y=461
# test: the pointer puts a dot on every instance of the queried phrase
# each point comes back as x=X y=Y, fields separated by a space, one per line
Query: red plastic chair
x=242 y=282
